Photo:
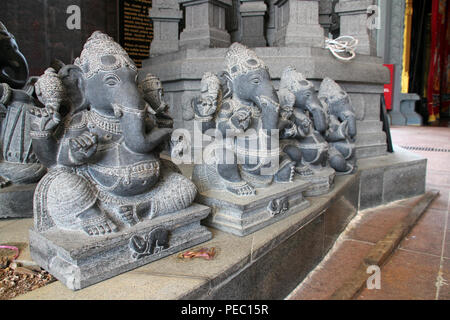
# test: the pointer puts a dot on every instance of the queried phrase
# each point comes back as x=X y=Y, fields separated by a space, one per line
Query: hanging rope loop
x=343 y=48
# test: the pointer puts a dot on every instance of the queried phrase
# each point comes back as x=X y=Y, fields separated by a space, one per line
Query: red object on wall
x=389 y=87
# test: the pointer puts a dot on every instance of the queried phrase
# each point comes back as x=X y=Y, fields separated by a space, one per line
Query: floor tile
x=438 y=178
x=375 y=224
x=406 y=276
x=444 y=292
x=428 y=233
x=333 y=272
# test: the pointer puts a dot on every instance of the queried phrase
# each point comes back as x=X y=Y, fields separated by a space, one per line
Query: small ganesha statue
x=242 y=106
x=341 y=132
x=302 y=122
x=18 y=162
x=102 y=149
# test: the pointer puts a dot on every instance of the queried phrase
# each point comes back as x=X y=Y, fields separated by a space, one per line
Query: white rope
x=343 y=48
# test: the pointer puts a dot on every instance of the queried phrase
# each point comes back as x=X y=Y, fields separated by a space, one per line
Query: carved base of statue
x=244 y=215
x=79 y=260
x=322 y=181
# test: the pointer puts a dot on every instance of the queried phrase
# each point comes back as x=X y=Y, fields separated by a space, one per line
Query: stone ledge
x=199 y=279
x=267 y=264
x=314 y=63
x=396 y=176
x=16 y=201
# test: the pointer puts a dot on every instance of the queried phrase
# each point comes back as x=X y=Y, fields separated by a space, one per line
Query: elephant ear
x=73 y=80
x=227 y=84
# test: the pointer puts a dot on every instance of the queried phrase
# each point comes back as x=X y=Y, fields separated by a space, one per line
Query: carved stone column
x=205 y=24
x=166 y=16
x=354 y=22
x=298 y=24
x=325 y=15
x=252 y=15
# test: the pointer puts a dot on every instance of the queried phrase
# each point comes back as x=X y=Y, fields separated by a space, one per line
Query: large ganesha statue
x=100 y=135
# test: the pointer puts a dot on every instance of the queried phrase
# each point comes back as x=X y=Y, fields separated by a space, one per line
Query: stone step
x=370 y=138
x=369 y=126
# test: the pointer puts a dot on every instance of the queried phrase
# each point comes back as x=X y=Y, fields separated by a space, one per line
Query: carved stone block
x=205 y=25
x=244 y=215
x=78 y=260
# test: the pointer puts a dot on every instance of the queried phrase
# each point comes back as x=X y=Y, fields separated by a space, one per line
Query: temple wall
x=41 y=30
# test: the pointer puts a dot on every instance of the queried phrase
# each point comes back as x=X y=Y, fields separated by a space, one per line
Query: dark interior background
x=41 y=32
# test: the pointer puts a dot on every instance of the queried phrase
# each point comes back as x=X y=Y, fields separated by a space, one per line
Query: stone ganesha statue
x=303 y=122
x=341 y=132
x=105 y=173
x=18 y=162
x=243 y=107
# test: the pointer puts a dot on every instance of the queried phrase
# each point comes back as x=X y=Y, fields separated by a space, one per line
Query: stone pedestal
x=252 y=15
x=166 y=17
x=298 y=24
x=17 y=201
x=321 y=182
x=244 y=215
x=354 y=22
x=407 y=108
x=205 y=24
x=78 y=260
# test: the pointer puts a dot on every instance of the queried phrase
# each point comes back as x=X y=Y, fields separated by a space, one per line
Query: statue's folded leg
x=174 y=192
x=228 y=170
x=295 y=153
x=21 y=173
x=72 y=205
x=286 y=171
x=338 y=162
x=345 y=148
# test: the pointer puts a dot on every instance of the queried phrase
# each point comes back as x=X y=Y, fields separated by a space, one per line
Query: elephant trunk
x=351 y=123
x=269 y=106
x=137 y=136
x=320 y=118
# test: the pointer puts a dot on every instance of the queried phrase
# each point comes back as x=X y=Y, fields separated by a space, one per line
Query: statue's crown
x=4 y=33
x=101 y=52
x=150 y=83
x=331 y=91
x=293 y=80
x=240 y=60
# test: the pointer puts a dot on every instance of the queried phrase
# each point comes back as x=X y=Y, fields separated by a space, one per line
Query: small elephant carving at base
x=278 y=206
x=156 y=241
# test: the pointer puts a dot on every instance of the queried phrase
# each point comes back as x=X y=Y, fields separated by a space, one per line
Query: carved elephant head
x=104 y=79
x=13 y=65
x=305 y=96
x=247 y=80
x=338 y=103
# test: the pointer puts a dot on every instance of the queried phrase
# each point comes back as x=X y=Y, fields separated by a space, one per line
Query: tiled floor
x=420 y=267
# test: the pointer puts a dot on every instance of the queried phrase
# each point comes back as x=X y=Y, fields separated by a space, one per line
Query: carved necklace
x=108 y=124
